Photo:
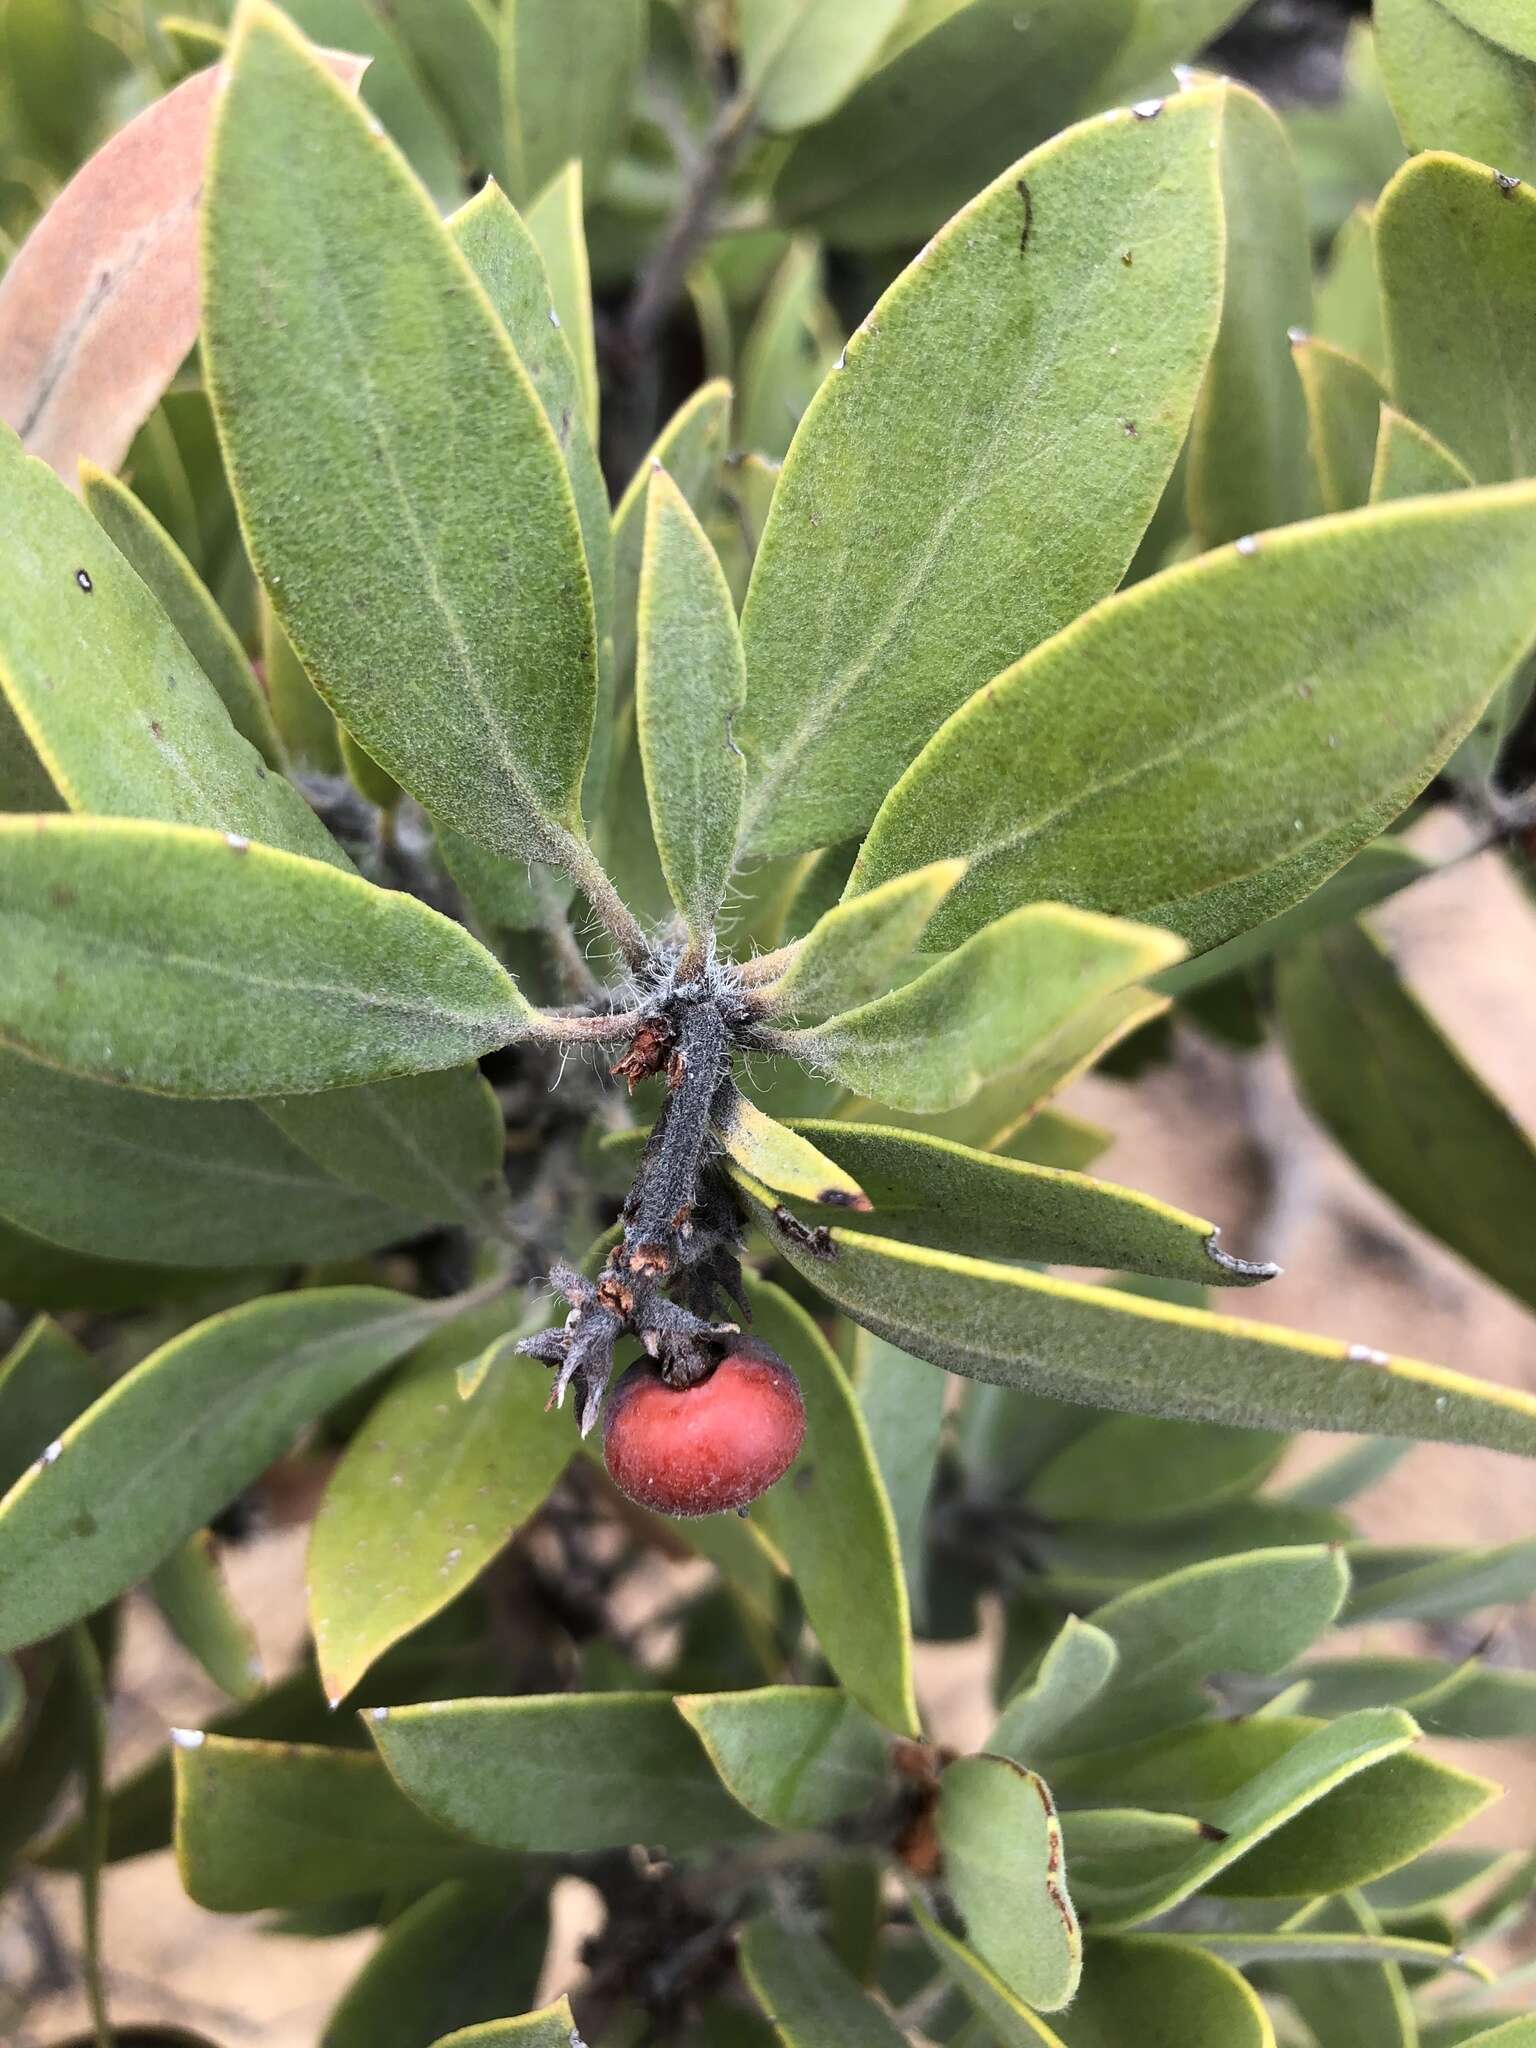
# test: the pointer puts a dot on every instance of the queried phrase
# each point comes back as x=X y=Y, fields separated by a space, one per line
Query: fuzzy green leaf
x=176 y=1439
x=464 y=1953
x=970 y=428
x=564 y=1773
x=1161 y=1982
x=435 y=1140
x=119 y=1175
x=902 y=1402
x=455 y=47
x=1247 y=450
x=190 y=1592
x=1003 y=1871
x=196 y=963
x=830 y=1518
x=108 y=692
x=789 y=349
x=689 y=448
x=1008 y=2020
x=796 y=1756
x=556 y=221
x=932 y=1044
x=1469 y=1702
x=286 y=1824
x=150 y=551
x=1205 y=748
x=855 y=951
x=1396 y=1585
x=784 y=1159
x=1343 y=401
x=1041 y=1711
x=930 y=1191
x=806 y=1993
x=444 y=607
x=567 y=70
x=1114 y=1350
x=1139 y=1468
x=1450 y=237
x=36 y=1274
x=1348 y=309
x=552 y=2026
x=690 y=684
x=1314 y=1945
x=1453 y=88
x=801 y=58
x=390 y=86
x=1405 y=1106
x=46 y=1380
x=459 y=1476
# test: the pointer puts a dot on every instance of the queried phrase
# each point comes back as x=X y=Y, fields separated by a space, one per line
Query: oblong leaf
x=940 y=1193
x=465 y=1952
x=463 y=1475
x=799 y=62
x=830 y=1518
x=1005 y=2015
x=689 y=448
x=568 y=1772
x=177 y=1437
x=1134 y=1977
x=690 y=684
x=1407 y=1108
x=45 y=1382
x=120 y=1175
x=557 y=222
x=855 y=951
x=931 y=1044
x=288 y=1824
x=196 y=963
x=567 y=69
x=807 y=1994
x=1140 y=1468
x=902 y=1402
x=463 y=662
x=1449 y=235
x=1076 y=1667
x=190 y=1592
x=1238 y=725
x=782 y=1158
x=1003 y=1869
x=552 y=2026
x=797 y=1756
x=1452 y=87
x=1344 y=401
x=1115 y=1350
x=875 y=606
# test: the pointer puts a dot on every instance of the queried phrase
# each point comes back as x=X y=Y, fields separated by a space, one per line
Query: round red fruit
x=704 y=1449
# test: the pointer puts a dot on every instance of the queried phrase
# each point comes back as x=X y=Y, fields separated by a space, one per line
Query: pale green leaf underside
x=1003 y=1870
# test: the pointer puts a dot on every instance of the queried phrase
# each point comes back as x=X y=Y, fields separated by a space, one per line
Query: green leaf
x=1238 y=725
x=286 y=1824
x=1040 y=1712
x=932 y=1191
x=1160 y=1982
x=1135 y=1469
x=970 y=428
x=1010 y=2022
x=1510 y=27
x=435 y=1140
x=1003 y=1871
x=1436 y=1878
x=563 y=1773
x=1453 y=88
x=801 y=60
x=1253 y=1613
x=1515 y=2033
x=552 y=2026
x=796 y=1756
x=902 y=1401
x=464 y=1953
x=1278 y=1951
x=1470 y=1702
x=309 y=731
x=1431 y=1586
x=829 y=1516
x=1247 y=451
x=1088 y=1563
x=1351 y=1472
x=107 y=691
x=1449 y=236
x=13 y=1699
x=690 y=684
x=555 y=220
x=45 y=1382
x=1343 y=400
x=121 y=1175
x=460 y=1477
x=788 y=350
x=1344 y=2004
x=36 y=1274
x=782 y=1158
x=176 y=1439
x=1405 y=1106
x=1348 y=310
x=806 y=1993
x=932 y=1044
x=466 y=666
x=150 y=551
x=567 y=71
x=1115 y=1350
x=390 y=86
x=455 y=46
x=196 y=963
x=855 y=951
x=689 y=448
x=190 y=1592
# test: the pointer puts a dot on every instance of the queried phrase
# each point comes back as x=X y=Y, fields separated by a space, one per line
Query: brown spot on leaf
x=62 y=896
x=843 y=1198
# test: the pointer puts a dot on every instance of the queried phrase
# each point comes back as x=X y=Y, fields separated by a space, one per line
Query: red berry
x=702 y=1449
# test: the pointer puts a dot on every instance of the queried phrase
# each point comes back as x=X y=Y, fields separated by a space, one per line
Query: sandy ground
x=1354 y=1269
